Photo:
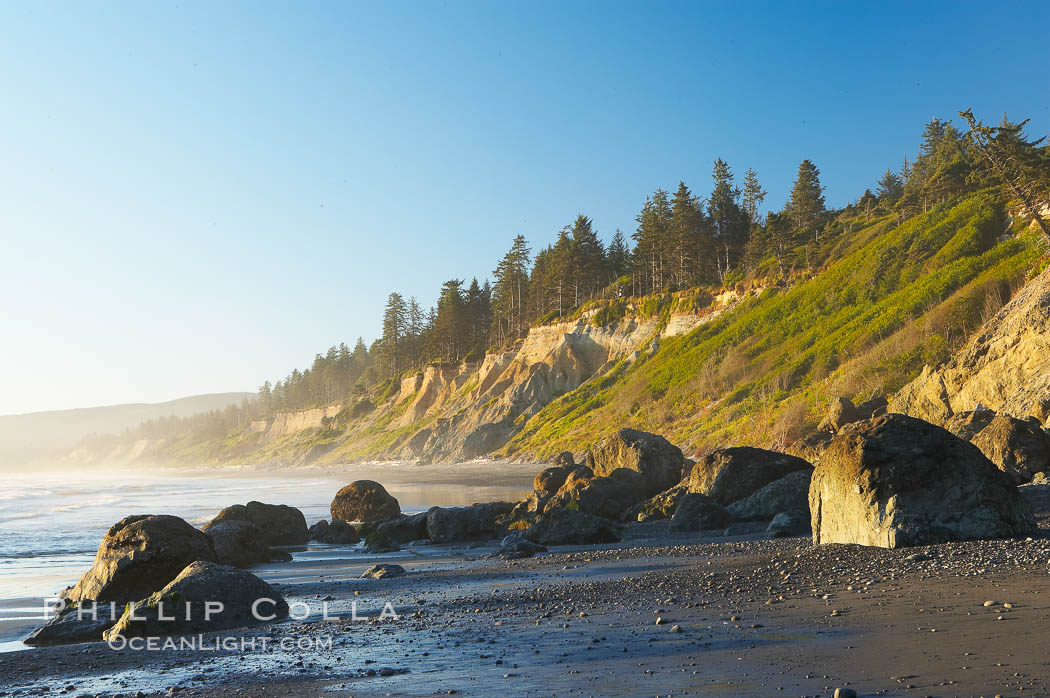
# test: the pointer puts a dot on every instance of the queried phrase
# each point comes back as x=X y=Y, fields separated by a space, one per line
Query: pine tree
x=890 y=187
x=617 y=258
x=805 y=207
x=728 y=220
x=395 y=324
x=587 y=260
x=753 y=195
x=509 y=292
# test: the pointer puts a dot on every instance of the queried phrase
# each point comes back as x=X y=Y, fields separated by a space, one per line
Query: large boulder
x=730 y=474
x=238 y=543
x=280 y=524
x=969 y=424
x=897 y=481
x=841 y=412
x=447 y=525
x=180 y=607
x=610 y=497
x=366 y=501
x=517 y=546
x=551 y=479
x=789 y=493
x=656 y=458
x=696 y=512
x=660 y=506
x=138 y=555
x=560 y=526
x=405 y=528
x=335 y=533
x=1019 y=447
x=73 y=624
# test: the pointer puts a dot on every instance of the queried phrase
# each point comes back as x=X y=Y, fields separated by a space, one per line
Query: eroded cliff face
x=1005 y=367
x=474 y=409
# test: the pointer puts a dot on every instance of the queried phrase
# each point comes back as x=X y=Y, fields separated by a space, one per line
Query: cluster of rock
x=147 y=566
x=636 y=476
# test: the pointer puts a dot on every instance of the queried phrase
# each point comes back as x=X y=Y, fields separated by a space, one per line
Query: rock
x=238 y=543
x=405 y=528
x=1019 y=447
x=577 y=476
x=790 y=492
x=564 y=460
x=1005 y=366
x=811 y=446
x=366 y=501
x=896 y=481
x=656 y=458
x=476 y=522
x=603 y=496
x=659 y=506
x=697 y=512
x=845 y=693
x=139 y=555
x=382 y=571
x=516 y=546
x=730 y=474
x=967 y=425
x=279 y=523
x=875 y=407
x=788 y=524
x=376 y=543
x=841 y=412
x=550 y=480
x=69 y=626
x=560 y=526
x=179 y=608
x=335 y=533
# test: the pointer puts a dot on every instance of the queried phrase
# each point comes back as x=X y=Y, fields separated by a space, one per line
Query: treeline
x=681 y=240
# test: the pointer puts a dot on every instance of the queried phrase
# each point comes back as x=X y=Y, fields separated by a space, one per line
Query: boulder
x=377 y=542
x=564 y=460
x=790 y=492
x=180 y=607
x=969 y=424
x=366 y=501
x=405 y=528
x=383 y=571
x=476 y=522
x=697 y=512
x=659 y=506
x=841 y=412
x=896 y=481
x=730 y=474
x=610 y=497
x=139 y=555
x=279 y=523
x=517 y=547
x=335 y=533
x=74 y=624
x=560 y=526
x=657 y=459
x=551 y=479
x=238 y=543
x=788 y=524
x=1018 y=447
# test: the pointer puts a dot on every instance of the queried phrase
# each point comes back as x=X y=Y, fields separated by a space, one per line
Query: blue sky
x=197 y=197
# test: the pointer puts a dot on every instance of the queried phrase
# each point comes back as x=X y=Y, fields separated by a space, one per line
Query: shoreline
x=754 y=615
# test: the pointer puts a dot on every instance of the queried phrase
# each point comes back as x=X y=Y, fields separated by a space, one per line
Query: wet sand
x=754 y=617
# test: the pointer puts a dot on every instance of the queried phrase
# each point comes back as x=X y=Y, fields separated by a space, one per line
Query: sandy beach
x=656 y=614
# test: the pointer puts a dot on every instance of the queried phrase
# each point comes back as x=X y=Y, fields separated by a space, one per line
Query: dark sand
x=755 y=618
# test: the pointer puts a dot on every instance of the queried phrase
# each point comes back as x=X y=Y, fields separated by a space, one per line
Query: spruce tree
x=805 y=207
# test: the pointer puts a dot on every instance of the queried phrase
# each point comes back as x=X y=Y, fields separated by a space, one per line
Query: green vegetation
x=893 y=298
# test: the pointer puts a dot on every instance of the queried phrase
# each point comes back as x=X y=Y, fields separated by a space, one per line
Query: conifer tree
x=805 y=207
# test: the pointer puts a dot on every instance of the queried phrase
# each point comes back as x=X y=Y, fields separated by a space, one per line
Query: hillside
x=40 y=436
x=755 y=363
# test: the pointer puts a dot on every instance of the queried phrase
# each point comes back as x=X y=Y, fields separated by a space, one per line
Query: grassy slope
x=890 y=299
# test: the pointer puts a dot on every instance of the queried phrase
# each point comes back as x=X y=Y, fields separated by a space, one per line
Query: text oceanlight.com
x=199 y=643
